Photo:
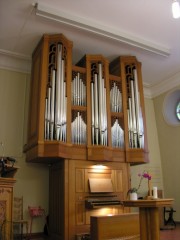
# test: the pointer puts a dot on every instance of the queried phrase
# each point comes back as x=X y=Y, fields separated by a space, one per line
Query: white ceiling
x=145 y=20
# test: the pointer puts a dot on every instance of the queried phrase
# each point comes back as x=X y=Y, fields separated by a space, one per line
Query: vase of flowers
x=133 y=192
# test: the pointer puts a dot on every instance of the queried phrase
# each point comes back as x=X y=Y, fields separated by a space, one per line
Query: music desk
x=149 y=216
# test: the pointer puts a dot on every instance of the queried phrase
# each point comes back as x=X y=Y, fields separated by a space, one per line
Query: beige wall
x=154 y=166
x=32 y=180
x=169 y=140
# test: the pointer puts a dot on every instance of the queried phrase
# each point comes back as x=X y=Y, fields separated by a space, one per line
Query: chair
x=36 y=212
x=18 y=220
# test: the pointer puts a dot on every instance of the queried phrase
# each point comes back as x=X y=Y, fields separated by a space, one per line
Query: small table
x=149 y=216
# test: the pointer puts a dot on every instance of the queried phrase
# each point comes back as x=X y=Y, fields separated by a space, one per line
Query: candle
x=155 y=194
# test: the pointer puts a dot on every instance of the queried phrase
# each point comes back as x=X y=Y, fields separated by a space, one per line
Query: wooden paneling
x=80 y=180
x=119 y=187
x=80 y=213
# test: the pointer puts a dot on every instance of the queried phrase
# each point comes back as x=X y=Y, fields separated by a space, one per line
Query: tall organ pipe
x=98 y=108
x=48 y=111
x=52 y=105
x=133 y=106
x=46 y=119
x=92 y=111
x=55 y=110
x=140 y=128
x=135 y=121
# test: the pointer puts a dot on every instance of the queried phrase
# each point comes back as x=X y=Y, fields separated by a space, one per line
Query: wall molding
x=15 y=62
x=21 y=63
x=165 y=85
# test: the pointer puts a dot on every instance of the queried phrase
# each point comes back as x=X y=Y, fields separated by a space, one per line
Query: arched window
x=171 y=108
x=178 y=111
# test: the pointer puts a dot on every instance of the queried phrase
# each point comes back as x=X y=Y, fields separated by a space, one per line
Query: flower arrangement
x=142 y=176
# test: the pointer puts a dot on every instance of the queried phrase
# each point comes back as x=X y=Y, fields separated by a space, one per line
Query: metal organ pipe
x=47 y=113
x=58 y=92
x=115 y=98
x=56 y=101
x=98 y=108
x=78 y=126
x=52 y=104
x=46 y=119
x=78 y=91
x=117 y=135
x=96 y=111
x=135 y=121
x=92 y=111
x=140 y=128
x=60 y=113
x=78 y=130
x=133 y=106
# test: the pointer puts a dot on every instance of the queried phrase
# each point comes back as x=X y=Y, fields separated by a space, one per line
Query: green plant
x=132 y=190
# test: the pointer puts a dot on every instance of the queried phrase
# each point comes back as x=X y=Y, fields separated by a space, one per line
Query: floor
x=173 y=234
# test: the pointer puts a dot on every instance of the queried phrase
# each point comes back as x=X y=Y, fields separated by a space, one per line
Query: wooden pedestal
x=149 y=216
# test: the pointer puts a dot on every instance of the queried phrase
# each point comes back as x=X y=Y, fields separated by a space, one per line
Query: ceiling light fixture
x=176 y=9
x=115 y=34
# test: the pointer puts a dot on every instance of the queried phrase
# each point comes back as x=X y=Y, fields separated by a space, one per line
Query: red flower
x=146 y=175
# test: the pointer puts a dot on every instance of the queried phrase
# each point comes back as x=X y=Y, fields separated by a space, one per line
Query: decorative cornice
x=152 y=91
x=14 y=61
x=22 y=63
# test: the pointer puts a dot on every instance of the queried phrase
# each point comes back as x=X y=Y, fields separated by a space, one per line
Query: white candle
x=155 y=194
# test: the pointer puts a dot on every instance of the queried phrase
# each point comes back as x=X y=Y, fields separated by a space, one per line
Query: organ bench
x=116 y=227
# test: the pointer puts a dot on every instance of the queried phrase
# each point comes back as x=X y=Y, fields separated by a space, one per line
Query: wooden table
x=149 y=216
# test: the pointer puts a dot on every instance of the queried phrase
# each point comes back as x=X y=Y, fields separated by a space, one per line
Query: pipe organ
x=93 y=107
x=81 y=115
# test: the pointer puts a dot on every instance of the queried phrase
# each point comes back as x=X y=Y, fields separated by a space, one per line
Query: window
x=171 y=108
x=178 y=111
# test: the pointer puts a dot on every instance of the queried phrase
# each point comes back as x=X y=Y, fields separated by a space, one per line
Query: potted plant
x=133 y=192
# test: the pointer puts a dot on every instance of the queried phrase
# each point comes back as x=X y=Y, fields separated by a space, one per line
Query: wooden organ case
x=82 y=116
